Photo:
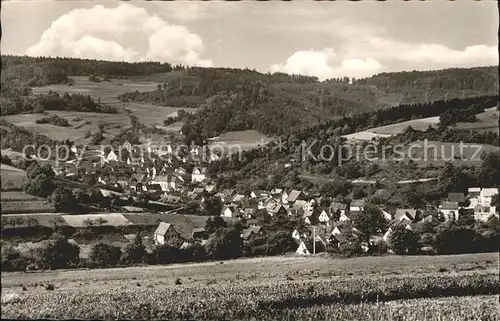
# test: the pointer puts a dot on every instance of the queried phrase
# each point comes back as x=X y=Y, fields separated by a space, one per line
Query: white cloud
x=122 y=33
x=366 y=58
x=326 y=64
x=310 y=63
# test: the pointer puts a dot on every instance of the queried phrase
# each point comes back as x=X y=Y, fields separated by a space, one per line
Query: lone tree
x=370 y=222
x=225 y=243
x=403 y=241
x=134 y=252
x=58 y=253
x=105 y=255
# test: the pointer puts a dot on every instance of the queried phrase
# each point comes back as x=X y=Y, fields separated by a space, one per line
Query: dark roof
x=358 y=203
x=456 y=197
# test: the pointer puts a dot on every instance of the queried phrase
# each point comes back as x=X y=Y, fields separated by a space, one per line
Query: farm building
x=165 y=234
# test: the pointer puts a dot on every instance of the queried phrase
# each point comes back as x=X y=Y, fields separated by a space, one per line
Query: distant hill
x=242 y=99
x=418 y=86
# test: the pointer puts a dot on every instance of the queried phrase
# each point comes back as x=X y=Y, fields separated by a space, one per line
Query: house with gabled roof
x=199 y=174
x=338 y=207
x=252 y=232
x=405 y=214
x=311 y=216
x=449 y=210
x=484 y=212
x=165 y=233
x=163 y=180
x=284 y=197
x=303 y=249
x=486 y=195
x=259 y=194
x=324 y=217
x=473 y=192
x=294 y=196
x=276 y=209
x=238 y=198
x=230 y=211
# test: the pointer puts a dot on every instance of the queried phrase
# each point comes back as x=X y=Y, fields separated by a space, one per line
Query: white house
x=387 y=215
x=324 y=218
x=230 y=211
x=302 y=249
x=198 y=175
x=487 y=194
x=163 y=180
x=111 y=157
x=296 y=235
x=473 y=192
x=484 y=212
x=165 y=233
x=344 y=217
x=284 y=197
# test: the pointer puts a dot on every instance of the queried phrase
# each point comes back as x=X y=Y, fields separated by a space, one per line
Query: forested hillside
x=239 y=99
x=413 y=86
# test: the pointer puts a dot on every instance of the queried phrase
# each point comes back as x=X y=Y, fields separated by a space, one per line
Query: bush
x=105 y=255
x=351 y=249
x=403 y=241
x=134 y=252
x=225 y=243
x=58 y=253
x=54 y=120
x=40 y=186
x=165 y=254
x=12 y=260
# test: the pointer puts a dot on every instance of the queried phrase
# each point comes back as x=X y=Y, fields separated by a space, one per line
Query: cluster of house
x=131 y=172
x=332 y=225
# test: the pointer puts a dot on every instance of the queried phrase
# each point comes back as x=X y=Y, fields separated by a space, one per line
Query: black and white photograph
x=250 y=160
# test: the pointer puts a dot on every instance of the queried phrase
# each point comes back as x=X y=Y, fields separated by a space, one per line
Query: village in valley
x=169 y=193
x=205 y=160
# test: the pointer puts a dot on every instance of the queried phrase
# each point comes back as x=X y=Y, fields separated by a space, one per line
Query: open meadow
x=487 y=121
x=20 y=202
x=285 y=288
x=12 y=177
x=238 y=140
x=81 y=123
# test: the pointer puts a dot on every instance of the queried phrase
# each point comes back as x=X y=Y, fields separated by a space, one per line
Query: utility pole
x=314 y=240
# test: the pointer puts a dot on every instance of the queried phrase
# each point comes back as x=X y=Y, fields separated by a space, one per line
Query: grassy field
x=82 y=122
x=21 y=202
x=238 y=140
x=12 y=178
x=285 y=288
x=438 y=153
x=486 y=121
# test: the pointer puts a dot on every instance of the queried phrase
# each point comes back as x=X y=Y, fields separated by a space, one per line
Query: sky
x=323 y=39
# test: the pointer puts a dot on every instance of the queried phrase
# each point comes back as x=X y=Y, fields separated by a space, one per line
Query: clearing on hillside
x=238 y=140
x=83 y=123
x=12 y=178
